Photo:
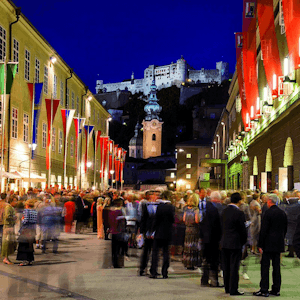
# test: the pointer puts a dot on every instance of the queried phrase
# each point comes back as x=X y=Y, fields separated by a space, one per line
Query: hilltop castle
x=166 y=76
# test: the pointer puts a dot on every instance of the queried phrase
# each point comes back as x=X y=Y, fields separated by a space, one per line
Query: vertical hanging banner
x=11 y=70
x=118 y=161
x=269 y=44
x=104 y=150
x=249 y=56
x=78 y=124
x=37 y=88
x=88 y=134
x=98 y=137
x=291 y=14
x=123 y=157
x=49 y=107
x=110 y=154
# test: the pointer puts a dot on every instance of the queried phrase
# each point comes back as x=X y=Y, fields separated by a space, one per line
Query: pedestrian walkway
x=82 y=270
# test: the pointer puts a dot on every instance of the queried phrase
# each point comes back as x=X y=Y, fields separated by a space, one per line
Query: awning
x=10 y=175
x=33 y=177
x=209 y=162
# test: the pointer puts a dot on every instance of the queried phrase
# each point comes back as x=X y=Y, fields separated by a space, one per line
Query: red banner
x=123 y=157
x=103 y=147
x=110 y=153
x=55 y=103
x=118 y=160
x=269 y=44
x=291 y=13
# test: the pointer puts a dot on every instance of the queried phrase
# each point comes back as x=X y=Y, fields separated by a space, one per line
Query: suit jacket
x=273 y=230
x=148 y=217
x=164 y=219
x=234 y=233
x=210 y=226
x=296 y=241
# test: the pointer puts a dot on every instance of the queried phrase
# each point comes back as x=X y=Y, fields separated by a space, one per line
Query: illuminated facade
x=262 y=128
x=32 y=52
x=166 y=76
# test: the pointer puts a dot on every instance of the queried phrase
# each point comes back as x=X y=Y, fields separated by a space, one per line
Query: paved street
x=82 y=270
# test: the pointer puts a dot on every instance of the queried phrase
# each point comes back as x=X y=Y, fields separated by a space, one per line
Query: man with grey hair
x=271 y=244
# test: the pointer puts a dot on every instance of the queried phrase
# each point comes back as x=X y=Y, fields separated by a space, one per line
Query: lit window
x=188 y=176
x=15 y=52
x=2 y=43
x=187 y=186
x=172 y=175
x=46 y=80
x=54 y=86
x=53 y=139
x=188 y=166
x=60 y=139
x=188 y=155
x=27 y=65
x=44 y=135
x=61 y=93
x=14 y=124
x=25 y=127
x=37 y=71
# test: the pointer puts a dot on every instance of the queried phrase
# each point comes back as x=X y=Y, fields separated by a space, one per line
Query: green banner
x=11 y=73
x=11 y=70
x=1 y=78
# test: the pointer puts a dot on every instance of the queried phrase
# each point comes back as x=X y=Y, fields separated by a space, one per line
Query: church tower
x=152 y=126
x=136 y=143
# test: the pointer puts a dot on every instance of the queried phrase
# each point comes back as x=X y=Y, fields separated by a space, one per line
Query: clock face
x=154 y=123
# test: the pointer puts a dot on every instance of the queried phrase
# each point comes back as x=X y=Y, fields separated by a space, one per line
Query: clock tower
x=152 y=125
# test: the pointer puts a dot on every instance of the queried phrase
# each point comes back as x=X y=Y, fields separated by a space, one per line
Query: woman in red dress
x=69 y=209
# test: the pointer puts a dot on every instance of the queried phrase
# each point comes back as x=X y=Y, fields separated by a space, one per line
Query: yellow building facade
x=25 y=45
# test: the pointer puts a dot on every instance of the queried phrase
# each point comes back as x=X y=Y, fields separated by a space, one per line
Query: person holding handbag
x=27 y=234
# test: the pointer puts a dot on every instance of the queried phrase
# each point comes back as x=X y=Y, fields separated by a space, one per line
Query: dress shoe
x=153 y=276
x=274 y=293
x=165 y=276
x=237 y=293
x=261 y=294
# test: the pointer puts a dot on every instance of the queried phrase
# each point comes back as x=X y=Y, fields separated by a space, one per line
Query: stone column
x=245 y=179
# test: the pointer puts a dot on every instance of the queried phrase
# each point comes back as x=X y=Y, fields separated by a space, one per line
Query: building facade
x=262 y=128
x=166 y=76
x=38 y=62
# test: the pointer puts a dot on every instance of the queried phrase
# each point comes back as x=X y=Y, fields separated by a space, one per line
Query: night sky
x=109 y=39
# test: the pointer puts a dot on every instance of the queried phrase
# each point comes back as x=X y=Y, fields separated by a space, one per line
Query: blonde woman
x=100 y=206
x=192 y=245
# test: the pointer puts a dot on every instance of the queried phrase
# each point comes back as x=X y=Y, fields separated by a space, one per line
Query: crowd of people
x=210 y=231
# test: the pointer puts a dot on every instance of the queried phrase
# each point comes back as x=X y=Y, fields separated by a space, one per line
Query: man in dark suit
x=210 y=234
x=234 y=236
x=271 y=244
x=164 y=219
x=296 y=240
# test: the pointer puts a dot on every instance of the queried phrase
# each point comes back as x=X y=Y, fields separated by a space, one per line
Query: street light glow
x=53 y=59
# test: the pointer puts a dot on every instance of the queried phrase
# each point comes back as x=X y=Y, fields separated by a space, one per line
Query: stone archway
x=268 y=169
x=288 y=161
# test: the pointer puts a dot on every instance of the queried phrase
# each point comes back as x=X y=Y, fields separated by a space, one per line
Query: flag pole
x=77 y=158
x=95 y=147
x=32 y=124
x=65 y=159
x=50 y=142
x=102 y=165
x=3 y=123
x=122 y=168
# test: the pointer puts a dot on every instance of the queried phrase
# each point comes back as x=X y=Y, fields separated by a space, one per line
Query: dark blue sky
x=114 y=38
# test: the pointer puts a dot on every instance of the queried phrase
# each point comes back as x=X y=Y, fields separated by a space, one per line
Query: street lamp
x=88 y=164
x=112 y=177
x=53 y=59
x=218 y=146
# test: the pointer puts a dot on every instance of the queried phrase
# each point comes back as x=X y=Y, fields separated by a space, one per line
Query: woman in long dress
x=192 y=243
x=27 y=234
x=8 y=238
x=100 y=231
x=69 y=212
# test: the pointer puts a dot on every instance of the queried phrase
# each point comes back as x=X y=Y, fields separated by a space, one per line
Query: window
x=98 y=119
x=46 y=80
x=2 y=43
x=188 y=166
x=68 y=97
x=61 y=93
x=27 y=65
x=188 y=176
x=132 y=152
x=60 y=139
x=188 y=186
x=172 y=175
x=37 y=71
x=72 y=146
x=73 y=101
x=94 y=115
x=14 y=123
x=77 y=105
x=54 y=86
x=212 y=116
x=53 y=139
x=25 y=127
x=44 y=135
x=153 y=137
x=16 y=52
x=188 y=155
